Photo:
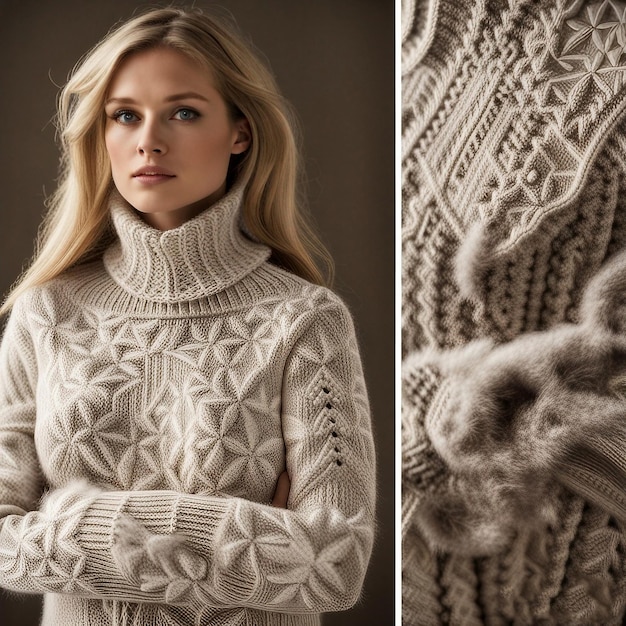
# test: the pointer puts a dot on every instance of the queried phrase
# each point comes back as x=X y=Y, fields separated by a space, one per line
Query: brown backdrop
x=334 y=61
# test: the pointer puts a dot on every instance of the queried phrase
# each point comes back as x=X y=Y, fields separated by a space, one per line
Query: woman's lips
x=152 y=179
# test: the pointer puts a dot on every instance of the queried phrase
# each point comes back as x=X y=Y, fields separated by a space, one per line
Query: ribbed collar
x=202 y=257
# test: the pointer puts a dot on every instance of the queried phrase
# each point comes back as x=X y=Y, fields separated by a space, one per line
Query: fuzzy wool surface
x=513 y=285
x=156 y=395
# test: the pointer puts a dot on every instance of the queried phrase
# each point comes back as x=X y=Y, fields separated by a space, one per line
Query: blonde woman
x=173 y=364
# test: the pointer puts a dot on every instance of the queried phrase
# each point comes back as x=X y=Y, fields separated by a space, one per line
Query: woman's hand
x=281 y=495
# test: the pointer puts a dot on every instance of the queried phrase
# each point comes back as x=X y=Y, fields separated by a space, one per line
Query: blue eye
x=124 y=117
x=186 y=115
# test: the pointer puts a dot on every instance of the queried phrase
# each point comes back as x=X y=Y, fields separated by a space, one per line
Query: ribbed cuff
x=197 y=518
x=424 y=396
x=597 y=471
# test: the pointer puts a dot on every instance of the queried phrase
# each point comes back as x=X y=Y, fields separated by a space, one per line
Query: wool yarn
x=513 y=219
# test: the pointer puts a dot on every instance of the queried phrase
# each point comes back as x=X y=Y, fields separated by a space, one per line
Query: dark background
x=334 y=60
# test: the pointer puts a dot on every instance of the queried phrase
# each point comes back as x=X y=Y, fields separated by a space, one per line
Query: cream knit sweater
x=158 y=393
x=514 y=332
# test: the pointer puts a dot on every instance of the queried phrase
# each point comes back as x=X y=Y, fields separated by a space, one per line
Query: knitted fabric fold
x=510 y=420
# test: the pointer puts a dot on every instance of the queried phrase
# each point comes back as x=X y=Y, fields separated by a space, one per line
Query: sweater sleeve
x=195 y=550
x=497 y=426
x=20 y=474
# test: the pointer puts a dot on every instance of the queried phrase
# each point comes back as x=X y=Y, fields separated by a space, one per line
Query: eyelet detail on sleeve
x=328 y=401
x=332 y=420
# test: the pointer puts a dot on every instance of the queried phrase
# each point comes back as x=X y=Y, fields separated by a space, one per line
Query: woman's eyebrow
x=174 y=98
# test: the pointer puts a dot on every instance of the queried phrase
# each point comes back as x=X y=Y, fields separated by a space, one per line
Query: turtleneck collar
x=202 y=257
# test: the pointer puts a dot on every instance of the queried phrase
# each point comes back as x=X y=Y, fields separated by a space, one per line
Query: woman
x=171 y=352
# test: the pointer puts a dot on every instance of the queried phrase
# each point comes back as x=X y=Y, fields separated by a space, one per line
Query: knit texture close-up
x=513 y=291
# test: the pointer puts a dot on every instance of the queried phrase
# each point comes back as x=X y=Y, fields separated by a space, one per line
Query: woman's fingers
x=281 y=495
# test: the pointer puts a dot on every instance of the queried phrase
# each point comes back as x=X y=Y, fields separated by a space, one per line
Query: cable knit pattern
x=158 y=394
x=514 y=181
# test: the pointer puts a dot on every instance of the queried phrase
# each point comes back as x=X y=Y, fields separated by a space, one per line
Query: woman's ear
x=243 y=137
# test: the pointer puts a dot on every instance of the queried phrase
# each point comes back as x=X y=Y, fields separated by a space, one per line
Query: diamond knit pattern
x=159 y=396
x=513 y=199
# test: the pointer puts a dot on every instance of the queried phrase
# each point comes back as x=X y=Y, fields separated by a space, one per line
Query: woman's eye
x=125 y=117
x=186 y=115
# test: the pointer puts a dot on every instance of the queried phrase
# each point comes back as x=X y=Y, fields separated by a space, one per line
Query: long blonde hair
x=78 y=218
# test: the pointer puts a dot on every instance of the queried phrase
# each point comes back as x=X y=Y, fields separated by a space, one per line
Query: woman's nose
x=151 y=140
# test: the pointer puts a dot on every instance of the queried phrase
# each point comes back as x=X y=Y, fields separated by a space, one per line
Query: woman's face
x=169 y=136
